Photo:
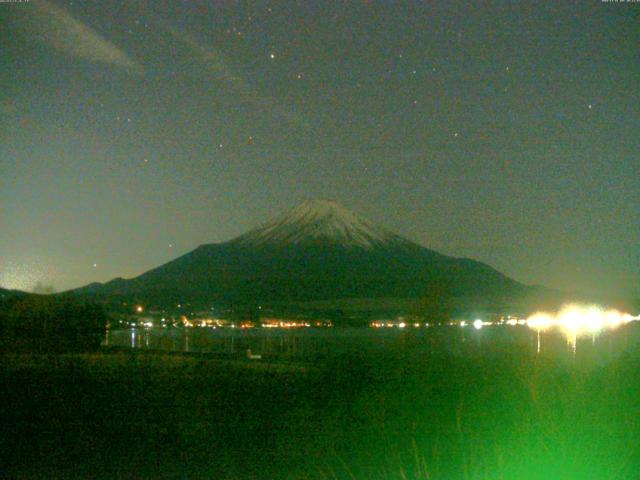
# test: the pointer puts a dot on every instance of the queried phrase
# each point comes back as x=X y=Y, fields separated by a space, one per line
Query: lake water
x=310 y=344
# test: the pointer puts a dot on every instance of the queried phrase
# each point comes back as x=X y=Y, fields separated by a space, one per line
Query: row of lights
x=575 y=319
x=478 y=324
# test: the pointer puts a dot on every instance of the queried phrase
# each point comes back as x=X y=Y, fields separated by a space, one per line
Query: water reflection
x=312 y=343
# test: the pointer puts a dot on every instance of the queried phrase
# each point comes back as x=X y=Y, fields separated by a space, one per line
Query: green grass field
x=499 y=415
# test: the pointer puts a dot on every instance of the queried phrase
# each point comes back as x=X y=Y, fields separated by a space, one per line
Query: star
x=272 y=56
x=95 y=265
x=590 y=107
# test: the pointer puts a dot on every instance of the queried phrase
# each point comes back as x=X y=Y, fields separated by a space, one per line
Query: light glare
x=577 y=320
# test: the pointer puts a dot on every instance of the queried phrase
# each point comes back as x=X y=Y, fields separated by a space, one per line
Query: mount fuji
x=317 y=253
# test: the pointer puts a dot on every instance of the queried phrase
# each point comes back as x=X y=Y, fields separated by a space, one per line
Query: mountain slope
x=317 y=251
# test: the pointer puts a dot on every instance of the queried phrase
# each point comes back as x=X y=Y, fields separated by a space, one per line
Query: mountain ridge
x=317 y=251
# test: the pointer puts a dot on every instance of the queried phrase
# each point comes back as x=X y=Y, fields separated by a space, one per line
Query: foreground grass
x=487 y=416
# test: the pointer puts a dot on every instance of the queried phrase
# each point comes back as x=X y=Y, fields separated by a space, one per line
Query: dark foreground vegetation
x=491 y=415
x=45 y=324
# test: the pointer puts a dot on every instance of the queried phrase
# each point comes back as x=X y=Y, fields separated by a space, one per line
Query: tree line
x=49 y=324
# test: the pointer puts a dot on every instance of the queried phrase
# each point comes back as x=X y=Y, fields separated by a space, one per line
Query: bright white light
x=594 y=320
x=477 y=324
x=540 y=321
x=463 y=323
x=402 y=325
x=577 y=320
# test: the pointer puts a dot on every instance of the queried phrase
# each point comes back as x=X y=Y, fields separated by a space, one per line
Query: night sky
x=134 y=131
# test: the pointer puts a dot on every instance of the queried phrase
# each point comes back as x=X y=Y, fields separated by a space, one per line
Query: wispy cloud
x=215 y=62
x=57 y=28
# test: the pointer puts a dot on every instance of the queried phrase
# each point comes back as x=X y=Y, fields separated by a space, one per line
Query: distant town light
x=477 y=324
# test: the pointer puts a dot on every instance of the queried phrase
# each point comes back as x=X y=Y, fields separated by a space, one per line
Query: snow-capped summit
x=320 y=221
